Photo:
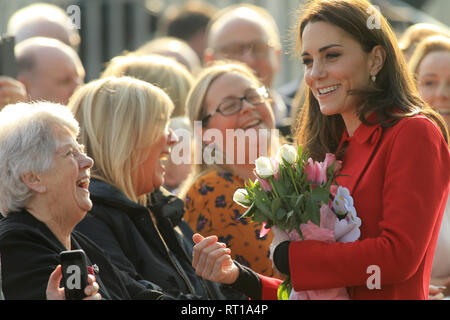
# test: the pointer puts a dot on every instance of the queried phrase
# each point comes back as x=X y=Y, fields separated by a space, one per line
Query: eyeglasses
x=232 y=105
x=237 y=50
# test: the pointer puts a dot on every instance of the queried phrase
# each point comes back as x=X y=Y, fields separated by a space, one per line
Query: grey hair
x=27 y=145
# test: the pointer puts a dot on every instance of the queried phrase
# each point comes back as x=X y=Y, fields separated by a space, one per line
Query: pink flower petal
x=263 y=231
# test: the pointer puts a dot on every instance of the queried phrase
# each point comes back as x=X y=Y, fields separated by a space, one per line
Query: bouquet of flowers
x=300 y=196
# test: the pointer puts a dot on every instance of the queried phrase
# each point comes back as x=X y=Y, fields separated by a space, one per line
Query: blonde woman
x=124 y=126
x=416 y=34
x=430 y=64
x=228 y=98
x=176 y=81
x=163 y=72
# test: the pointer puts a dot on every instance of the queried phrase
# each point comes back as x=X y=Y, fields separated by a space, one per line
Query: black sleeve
x=27 y=263
x=281 y=257
x=248 y=282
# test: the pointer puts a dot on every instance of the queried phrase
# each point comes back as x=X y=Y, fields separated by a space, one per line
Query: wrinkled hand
x=11 y=91
x=212 y=261
x=54 y=292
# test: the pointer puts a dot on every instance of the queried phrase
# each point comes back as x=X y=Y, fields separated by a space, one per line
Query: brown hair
x=394 y=95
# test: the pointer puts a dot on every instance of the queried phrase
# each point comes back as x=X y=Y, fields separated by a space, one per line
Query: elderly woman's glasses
x=232 y=105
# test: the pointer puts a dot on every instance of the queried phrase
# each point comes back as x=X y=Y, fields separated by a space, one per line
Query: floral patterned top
x=210 y=210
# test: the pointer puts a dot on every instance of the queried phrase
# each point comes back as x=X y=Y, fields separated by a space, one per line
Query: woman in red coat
x=361 y=105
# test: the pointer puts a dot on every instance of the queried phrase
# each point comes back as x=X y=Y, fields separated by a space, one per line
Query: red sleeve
x=416 y=184
x=269 y=287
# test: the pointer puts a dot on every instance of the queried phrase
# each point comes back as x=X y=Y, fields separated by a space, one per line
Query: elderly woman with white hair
x=44 y=180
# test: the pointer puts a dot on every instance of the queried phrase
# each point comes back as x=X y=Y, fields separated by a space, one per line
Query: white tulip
x=240 y=197
x=288 y=153
x=264 y=168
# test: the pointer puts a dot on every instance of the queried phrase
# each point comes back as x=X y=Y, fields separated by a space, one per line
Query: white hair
x=27 y=145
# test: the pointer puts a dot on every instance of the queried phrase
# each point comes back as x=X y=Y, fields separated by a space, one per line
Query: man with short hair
x=49 y=69
x=43 y=20
x=249 y=34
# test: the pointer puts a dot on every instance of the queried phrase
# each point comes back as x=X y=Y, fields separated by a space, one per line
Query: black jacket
x=158 y=253
x=30 y=252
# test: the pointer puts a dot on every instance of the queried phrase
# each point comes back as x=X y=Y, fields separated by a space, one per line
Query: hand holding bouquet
x=301 y=196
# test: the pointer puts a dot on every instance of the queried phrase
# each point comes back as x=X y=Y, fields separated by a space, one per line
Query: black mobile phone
x=8 y=65
x=75 y=273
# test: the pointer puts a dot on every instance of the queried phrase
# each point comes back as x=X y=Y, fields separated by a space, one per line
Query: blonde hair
x=120 y=118
x=427 y=46
x=174 y=48
x=160 y=71
x=416 y=34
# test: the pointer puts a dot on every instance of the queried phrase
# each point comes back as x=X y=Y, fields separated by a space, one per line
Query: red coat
x=399 y=178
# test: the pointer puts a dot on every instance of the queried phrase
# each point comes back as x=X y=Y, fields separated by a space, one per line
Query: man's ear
x=25 y=81
x=33 y=182
x=208 y=56
x=377 y=60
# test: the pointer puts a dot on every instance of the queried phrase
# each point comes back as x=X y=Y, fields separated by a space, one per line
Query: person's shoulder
x=17 y=223
x=417 y=122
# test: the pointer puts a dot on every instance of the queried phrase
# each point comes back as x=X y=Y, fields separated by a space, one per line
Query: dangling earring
x=373 y=78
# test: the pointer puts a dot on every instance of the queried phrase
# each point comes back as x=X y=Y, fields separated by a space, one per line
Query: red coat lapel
x=359 y=152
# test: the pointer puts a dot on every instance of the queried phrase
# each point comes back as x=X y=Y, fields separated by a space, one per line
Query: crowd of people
x=138 y=168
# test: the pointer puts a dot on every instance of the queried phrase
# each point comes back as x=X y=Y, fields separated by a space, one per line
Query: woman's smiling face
x=250 y=118
x=335 y=63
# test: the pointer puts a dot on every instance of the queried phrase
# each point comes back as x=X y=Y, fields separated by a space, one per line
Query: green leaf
x=276 y=204
x=263 y=203
x=284 y=290
x=312 y=210
x=281 y=214
x=320 y=194
x=249 y=212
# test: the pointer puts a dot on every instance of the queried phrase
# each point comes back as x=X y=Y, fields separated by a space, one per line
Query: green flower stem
x=273 y=188
x=293 y=182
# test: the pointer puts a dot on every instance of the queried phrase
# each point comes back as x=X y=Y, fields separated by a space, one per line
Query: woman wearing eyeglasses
x=229 y=105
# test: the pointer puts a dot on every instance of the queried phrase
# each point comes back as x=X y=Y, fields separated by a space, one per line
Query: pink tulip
x=316 y=172
x=265 y=185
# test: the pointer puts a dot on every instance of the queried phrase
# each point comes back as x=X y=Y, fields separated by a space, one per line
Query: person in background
x=173 y=48
x=176 y=81
x=49 y=69
x=415 y=34
x=361 y=105
x=124 y=126
x=163 y=72
x=249 y=34
x=188 y=22
x=43 y=20
x=430 y=64
x=44 y=181
x=228 y=96
x=11 y=91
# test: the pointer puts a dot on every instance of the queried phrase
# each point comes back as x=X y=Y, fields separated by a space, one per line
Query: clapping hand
x=212 y=260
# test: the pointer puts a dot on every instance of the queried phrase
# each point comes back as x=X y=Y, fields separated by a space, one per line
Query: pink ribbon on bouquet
x=325 y=232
